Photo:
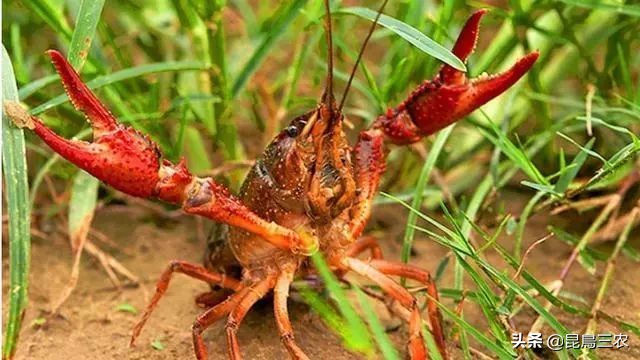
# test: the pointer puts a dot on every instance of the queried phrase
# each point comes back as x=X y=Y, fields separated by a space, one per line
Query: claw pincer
x=450 y=95
x=120 y=156
x=130 y=162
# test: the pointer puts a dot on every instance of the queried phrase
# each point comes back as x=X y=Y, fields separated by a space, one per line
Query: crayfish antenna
x=360 y=53
x=82 y=97
x=327 y=97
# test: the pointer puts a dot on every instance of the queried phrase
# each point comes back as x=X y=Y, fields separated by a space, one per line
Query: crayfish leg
x=211 y=316
x=424 y=277
x=191 y=270
x=255 y=292
x=363 y=244
x=369 y=164
x=281 y=293
x=417 y=350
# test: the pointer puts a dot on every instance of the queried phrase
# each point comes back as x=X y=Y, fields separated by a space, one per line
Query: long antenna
x=364 y=46
x=328 y=96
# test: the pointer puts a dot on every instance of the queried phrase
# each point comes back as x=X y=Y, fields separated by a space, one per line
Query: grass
x=212 y=81
x=84 y=191
x=17 y=195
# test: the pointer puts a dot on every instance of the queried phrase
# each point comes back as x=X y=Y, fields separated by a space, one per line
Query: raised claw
x=118 y=155
x=130 y=162
x=450 y=95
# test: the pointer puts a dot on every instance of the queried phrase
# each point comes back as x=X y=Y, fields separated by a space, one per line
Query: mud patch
x=90 y=326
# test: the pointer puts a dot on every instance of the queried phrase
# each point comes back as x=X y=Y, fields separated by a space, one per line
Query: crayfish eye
x=292 y=131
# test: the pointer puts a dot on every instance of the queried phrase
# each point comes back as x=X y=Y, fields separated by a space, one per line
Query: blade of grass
x=515 y=153
x=86 y=24
x=522 y=222
x=359 y=338
x=322 y=308
x=196 y=151
x=632 y=10
x=410 y=34
x=17 y=194
x=44 y=169
x=20 y=68
x=34 y=86
x=499 y=351
x=195 y=28
x=425 y=173
x=610 y=267
x=571 y=171
x=280 y=21
x=385 y=345
x=51 y=15
x=84 y=192
x=123 y=75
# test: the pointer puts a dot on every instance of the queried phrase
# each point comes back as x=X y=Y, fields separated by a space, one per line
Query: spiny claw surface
x=118 y=155
x=82 y=97
x=450 y=95
x=128 y=161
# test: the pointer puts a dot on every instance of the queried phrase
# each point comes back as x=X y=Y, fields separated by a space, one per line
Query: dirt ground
x=91 y=327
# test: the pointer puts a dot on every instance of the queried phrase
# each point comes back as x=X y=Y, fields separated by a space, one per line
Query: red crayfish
x=309 y=191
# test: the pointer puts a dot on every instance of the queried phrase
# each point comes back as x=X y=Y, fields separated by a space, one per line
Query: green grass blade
x=34 y=86
x=385 y=345
x=280 y=22
x=196 y=151
x=192 y=18
x=497 y=350
x=515 y=153
x=358 y=335
x=19 y=66
x=122 y=75
x=44 y=169
x=425 y=173
x=572 y=170
x=51 y=16
x=86 y=23
x=82 y=204
x=410 y=34
x=331 y=318
x=632 y=10
x=85 y=187
x=16 y=191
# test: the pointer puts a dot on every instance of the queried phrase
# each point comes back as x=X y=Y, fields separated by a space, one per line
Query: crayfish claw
x=119 y=156
x=451 y=95
x=82 y=97
x=487 y=87
x=464 y=47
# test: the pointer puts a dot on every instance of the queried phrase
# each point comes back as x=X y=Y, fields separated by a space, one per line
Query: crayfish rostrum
x=309 y=191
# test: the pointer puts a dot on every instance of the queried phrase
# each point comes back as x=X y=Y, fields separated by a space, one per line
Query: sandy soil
x=90 y=326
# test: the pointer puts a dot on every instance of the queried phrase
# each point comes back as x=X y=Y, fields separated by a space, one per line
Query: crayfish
x=309 y=191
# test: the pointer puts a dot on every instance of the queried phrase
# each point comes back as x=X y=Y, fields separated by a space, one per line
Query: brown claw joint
x=450 y=95
x=307 y=244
